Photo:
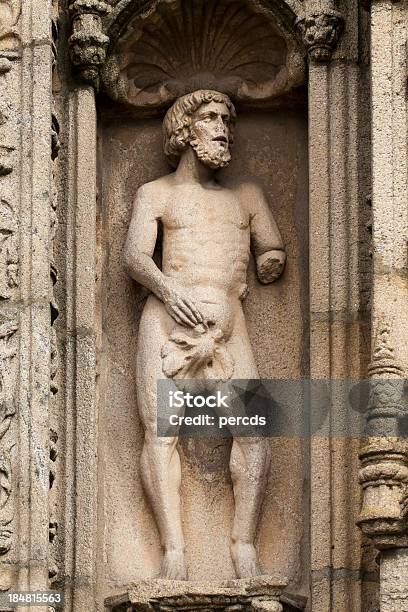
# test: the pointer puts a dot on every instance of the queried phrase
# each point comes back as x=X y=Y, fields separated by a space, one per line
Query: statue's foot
x=173 y=565
x=245 y=559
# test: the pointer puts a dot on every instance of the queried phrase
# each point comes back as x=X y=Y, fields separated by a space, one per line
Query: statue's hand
x=180 y=305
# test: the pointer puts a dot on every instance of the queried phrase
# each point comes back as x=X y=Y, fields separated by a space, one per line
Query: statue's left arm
x=266 y=240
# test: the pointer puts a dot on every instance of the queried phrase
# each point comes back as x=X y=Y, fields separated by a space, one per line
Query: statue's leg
x=160 y=461
x=249 y=465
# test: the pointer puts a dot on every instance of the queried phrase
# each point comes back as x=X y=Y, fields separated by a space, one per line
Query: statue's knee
x=251 y=445
x=153 y=440
x=150 y=429
x=249 y=454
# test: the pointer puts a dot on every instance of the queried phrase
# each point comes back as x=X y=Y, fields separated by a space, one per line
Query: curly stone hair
x=176 y=124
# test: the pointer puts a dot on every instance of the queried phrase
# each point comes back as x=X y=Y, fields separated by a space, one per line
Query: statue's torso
x=206 y=239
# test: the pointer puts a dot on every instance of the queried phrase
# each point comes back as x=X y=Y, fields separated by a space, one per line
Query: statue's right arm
x=140 y=244
x=138 y=256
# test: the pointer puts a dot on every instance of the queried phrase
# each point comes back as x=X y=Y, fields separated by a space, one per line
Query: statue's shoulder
x=249 y=192
x=154 y=195
x=160 y=185
x=246 y=186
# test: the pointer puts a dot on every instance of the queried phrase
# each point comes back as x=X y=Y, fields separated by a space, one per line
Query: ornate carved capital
x=384 y=459
x=88 y=43
x=321 y=33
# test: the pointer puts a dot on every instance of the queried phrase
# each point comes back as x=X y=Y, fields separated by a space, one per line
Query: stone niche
x=251 y=53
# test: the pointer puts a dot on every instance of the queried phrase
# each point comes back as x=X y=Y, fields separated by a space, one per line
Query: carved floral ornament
x=8 y=329
x=9 y=258
x=10 y=40
x=10 y=11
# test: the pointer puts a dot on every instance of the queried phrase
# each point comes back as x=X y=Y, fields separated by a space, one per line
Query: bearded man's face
x=210 y=134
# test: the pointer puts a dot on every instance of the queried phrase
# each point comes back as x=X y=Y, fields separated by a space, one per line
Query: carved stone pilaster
x=88 y=43
x=321 y=32
x=384 y=459
x=10 y=50
x=25 y=185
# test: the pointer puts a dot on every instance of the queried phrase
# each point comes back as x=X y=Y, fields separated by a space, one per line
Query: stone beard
x=193 y=325
x=211 y=153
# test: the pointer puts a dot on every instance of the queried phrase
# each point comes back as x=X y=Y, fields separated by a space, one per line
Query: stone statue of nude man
x=193 y=324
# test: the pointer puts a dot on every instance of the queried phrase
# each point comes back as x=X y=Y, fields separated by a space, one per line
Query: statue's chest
x=205 y=213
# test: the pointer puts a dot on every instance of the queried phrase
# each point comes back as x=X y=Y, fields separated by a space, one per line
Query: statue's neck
x=192 y=170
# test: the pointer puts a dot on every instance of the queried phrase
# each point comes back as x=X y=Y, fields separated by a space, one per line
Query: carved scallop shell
x=179 y=46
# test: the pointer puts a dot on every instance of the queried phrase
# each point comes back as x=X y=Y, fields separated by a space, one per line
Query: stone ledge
x=260 y=593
